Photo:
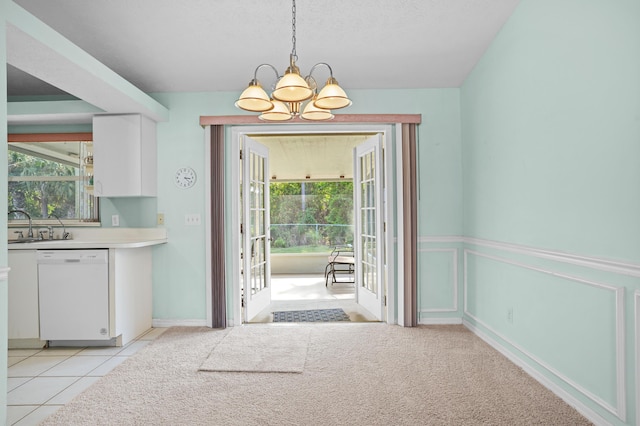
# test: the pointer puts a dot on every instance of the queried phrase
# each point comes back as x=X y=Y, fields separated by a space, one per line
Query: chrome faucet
x=30 y=232
x=65 y=234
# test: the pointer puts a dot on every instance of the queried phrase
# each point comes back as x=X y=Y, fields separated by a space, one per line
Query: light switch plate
x=192 y=219
x=115 y=220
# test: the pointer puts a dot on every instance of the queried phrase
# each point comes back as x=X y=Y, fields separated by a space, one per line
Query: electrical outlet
x=160 y=218
x=115 y=220
x=192 y=219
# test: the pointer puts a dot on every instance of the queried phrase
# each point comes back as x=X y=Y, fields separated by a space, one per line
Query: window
x=308 y=217
x=48 y=178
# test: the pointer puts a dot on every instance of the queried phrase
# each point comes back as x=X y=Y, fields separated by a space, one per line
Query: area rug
x=314 y=315
x=274 y=349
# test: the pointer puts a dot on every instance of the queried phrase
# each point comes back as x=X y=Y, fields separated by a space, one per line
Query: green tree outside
x=41 y=198
x=312 y=216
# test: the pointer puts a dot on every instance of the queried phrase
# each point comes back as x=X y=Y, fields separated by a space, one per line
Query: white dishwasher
x=73 y=294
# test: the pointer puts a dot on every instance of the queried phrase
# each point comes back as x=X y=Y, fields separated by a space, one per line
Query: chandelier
x=291 y=90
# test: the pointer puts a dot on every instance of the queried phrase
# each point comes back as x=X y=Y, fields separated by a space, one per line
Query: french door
x=369 y=219
x=256 y=268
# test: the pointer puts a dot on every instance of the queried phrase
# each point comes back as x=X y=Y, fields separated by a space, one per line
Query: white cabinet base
x=23 y=318
x=130 y=299
x=132 y=296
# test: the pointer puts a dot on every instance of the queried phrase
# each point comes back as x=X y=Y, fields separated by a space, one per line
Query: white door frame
x=393 y=212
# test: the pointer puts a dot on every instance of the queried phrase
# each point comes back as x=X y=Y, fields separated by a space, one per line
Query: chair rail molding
x=608 y=265
x=603 y=264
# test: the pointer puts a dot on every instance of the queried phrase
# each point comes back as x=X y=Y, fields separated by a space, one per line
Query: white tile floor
x=301 y=292
x=40 y=381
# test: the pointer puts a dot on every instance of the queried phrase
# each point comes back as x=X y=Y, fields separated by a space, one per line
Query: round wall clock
x=185 y=177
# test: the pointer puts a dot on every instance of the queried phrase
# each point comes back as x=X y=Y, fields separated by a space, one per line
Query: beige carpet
x=354 y=374
x=260 y=350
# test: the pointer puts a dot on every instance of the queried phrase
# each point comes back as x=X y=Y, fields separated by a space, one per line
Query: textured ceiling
x=311 y=156
x=197 y=45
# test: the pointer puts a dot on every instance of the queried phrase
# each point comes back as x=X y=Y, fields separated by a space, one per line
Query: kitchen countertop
x=83 y=244
x=122 y=238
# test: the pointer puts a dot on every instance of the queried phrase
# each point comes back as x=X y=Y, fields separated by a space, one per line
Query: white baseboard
x=439 y=321
x=586 y=411
x=166 y=323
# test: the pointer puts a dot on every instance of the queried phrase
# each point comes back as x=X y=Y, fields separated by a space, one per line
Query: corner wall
x=551 y=142
x=4 y=309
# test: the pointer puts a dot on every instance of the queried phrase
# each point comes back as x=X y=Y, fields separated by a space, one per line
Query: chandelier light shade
x=332 y=96
x=292 y=87
x=254 y=98
x=278 y=112
x=312 y=112
x=291 y=90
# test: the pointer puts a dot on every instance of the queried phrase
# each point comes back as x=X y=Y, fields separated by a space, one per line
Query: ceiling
x=197 y=45
x=313 y=157
x=215 y=45
x=63 y=152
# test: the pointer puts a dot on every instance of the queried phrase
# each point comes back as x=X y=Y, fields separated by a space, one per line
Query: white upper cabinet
x=124 y=156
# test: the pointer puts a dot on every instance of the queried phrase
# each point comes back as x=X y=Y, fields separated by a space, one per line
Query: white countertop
x=120 y=238
x=82 y=244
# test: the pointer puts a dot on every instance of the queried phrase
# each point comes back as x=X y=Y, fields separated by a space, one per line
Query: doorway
x=222 y=248
x=302 y=152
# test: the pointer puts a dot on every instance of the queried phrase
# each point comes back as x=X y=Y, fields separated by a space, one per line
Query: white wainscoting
x=454 y=286
x=620 y=409
x=561 y=393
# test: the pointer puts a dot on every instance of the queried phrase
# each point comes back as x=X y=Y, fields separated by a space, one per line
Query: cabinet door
x=23 y=295
x=124 y=155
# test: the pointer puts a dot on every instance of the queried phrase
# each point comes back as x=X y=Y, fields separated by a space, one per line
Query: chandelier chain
x=294 y=54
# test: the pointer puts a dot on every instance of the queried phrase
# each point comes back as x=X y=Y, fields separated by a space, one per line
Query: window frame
x=44 y=138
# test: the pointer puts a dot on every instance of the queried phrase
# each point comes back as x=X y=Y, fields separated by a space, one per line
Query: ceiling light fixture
x=291 y=90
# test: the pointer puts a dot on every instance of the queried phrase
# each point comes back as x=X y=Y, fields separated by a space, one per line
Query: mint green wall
x=551 y=142
x=179 y=287
x=67 y=128
x=3 y=218
x=551 y=130
x=132 y=212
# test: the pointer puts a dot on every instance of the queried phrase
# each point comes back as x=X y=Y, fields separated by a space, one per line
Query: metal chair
x=341 y=261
